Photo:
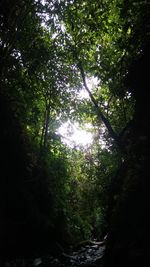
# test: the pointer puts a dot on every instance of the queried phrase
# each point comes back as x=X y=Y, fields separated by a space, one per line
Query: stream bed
x=89 y=255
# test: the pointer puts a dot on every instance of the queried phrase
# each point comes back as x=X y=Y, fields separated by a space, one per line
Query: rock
x=37 y=262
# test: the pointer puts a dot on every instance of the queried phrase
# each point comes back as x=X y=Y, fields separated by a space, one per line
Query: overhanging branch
x=101 y=116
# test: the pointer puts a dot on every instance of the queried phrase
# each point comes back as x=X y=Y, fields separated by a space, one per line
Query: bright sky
x=72 y=135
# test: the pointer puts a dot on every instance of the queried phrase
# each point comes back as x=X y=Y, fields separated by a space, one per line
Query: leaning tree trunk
x=100 y=114
x=44 y=135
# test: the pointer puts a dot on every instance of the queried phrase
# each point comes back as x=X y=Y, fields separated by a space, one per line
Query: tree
x=92 y=49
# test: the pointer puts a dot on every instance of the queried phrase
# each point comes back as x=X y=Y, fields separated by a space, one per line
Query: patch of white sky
x=74 y=134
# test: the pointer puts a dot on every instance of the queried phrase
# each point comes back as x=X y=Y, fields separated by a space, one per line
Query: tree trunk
x=101 y=116
x=46 y=125
x=44 y=135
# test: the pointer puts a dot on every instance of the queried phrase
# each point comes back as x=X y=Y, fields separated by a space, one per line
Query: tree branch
x=101 y=116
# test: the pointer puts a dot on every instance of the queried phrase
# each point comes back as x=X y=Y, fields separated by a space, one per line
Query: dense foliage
x=52 y=193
